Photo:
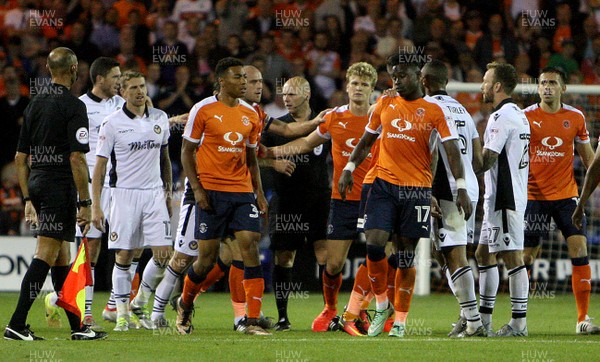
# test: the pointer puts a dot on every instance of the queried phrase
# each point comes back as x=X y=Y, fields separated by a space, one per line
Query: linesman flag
x=72 y=295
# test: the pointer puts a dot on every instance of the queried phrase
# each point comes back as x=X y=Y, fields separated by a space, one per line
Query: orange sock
x=362 y=284
x=213 y=276
x=405 y=284
x=236 y=286
x=581 y=281
x=135 y=285
x=378 y=277
x=254 y=292
x=331 y=288
x=391 y=284
x=190 y=290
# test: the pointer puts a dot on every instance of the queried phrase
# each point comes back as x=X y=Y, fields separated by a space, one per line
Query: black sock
x=59 y=274
x=282 y=285
x=30 y=288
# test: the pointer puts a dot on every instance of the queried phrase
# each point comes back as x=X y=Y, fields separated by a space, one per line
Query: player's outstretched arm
x=97 y=184
x=296 y=129
x=188 y=162
x=166 y=174
x=81 y=176
x=283 y=166
x=489 y=159
x=463 y=202
x=592 y=178
x=361 y=151
x=251 y=161
x=297 y=146
x=23 y=174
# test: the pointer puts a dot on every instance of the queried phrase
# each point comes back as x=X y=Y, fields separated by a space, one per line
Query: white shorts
x=138 y=218
x=453 y=230
x=502 y=230
x=185 y=242
x=105 y=205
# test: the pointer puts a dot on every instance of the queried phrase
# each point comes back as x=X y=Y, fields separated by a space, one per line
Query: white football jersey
x=507 y=133
x=133 y=146
x=467 y=132
x=97 y=110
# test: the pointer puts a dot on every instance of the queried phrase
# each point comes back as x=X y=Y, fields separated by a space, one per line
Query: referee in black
x=55 y=136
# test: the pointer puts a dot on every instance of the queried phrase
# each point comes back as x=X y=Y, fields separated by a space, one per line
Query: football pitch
x=551 y=322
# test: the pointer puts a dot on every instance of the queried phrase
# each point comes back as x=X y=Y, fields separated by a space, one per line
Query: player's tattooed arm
x=489 y=158
x=166 y=174
x=592 y=178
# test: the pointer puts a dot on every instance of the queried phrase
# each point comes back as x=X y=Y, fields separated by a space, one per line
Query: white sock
x=489 y=279
x=153 y=274
x=163 y=293
x=121 y=279
x=133 y=267
x=53 y=299
x=518 y=283
x=382 y=305
x=464 y=284
x=111 y=304
x=89 y=295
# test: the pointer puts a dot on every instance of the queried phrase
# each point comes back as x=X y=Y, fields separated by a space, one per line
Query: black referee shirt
x=55 y=124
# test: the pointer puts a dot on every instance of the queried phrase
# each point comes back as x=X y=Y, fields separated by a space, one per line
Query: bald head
x=60 y=61
x=254 y=85
x=435 y=75
x=298 y=85
x=251 y=69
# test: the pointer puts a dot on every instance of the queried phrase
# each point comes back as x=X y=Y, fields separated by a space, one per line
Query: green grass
x=551 y=322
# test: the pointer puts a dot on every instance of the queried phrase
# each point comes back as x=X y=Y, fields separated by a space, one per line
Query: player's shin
x=377 y=267
x=464 y=284
x=519 y=290
x=163 y=292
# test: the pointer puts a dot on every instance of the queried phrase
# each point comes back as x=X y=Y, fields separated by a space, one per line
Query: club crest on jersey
x=401 y=125
x=114 y=236
x=157 y=129
x=245 y=121
x=193 y=245
x=238 y=137
x=552 y=142
x=566 y=123
x=421 y=112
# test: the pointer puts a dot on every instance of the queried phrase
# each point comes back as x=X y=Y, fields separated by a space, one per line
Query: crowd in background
x=177 y=43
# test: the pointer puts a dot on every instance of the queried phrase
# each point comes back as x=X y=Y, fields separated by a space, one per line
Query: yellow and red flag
x=72 y=295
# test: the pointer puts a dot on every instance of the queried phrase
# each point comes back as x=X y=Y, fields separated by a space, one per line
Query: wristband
x=350 y=166
x=84 y=203
x=461 y=183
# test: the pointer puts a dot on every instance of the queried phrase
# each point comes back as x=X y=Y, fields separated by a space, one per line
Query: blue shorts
x=538 y=216
x=341 y=224
x=400 y=209
x=364 y=196
x=235 y=211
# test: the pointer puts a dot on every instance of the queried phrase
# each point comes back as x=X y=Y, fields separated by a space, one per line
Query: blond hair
x=363 y=70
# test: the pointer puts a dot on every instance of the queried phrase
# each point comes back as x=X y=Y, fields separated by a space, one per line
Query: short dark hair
x=506 y=75
x=224 y=64
x=404 y=58
x=555 y=70
x=438 y=72
x=101 y=66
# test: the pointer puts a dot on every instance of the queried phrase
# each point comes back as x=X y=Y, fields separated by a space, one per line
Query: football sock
x=30 y=288
x=163 y=293
x=377 y=266
x=489 y=279
x=464 y=285
x=254 y=285
x=214 y=275
x=449 y=279
x=89 y=294
x=191 y=287
x=59 y=275
x=405 y=285
x=282 y=282
x=581 y=281
x=121 y=279
x=153 y=274
x=391 y=277
x=111 y=304
x=361 y=288
x=331 y=288
x=236 y=288
x=518 y=283
x=135 y=278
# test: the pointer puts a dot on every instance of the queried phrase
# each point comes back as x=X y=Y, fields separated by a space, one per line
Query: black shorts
x=54 y=197
x=232 y=211
x=297 y=219
x=401 y=209
x=343 y=220
x=538 y=215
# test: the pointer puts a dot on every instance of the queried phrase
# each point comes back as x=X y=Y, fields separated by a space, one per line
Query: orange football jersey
x=406 y=129
x=223 y=134
x=551 y=151
x=345 y=130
